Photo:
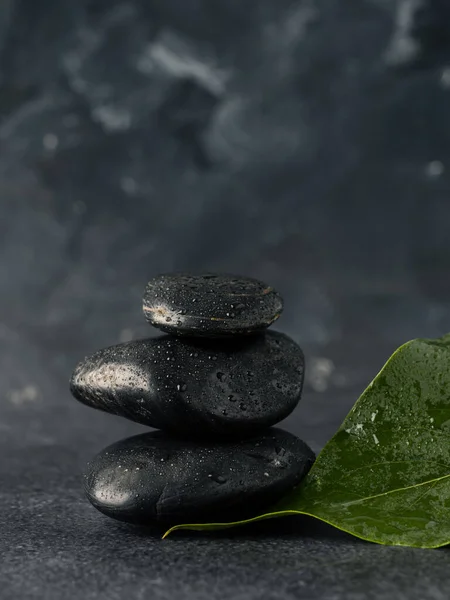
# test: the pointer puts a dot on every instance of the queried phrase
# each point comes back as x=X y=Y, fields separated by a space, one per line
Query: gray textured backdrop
x=304 y=142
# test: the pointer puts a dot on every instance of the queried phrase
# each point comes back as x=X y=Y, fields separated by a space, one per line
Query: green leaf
x=385 y=475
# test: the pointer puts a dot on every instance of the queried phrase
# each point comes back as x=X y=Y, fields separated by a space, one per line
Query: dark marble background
x=305 y=142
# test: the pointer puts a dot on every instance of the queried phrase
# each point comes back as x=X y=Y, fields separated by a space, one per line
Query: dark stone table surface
x=305 y=142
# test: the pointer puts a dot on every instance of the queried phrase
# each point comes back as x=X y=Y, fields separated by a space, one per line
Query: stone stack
x=214 y=385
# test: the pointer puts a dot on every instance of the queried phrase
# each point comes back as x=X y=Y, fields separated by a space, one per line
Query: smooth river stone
x=194 y=387
x=153 y=477
x=210 y=305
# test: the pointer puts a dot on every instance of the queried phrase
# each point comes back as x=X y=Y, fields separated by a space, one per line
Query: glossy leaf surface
x=385 y=475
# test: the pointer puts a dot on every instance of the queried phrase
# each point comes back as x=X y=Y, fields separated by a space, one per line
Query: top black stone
x=210 y=305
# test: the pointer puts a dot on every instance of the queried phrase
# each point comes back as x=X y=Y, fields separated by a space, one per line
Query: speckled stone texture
x=210 y=305
x=156 y=477
x=194 y=387
x=302 y=142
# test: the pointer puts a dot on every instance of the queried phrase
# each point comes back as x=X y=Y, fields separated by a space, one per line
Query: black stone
x=194 y=387
x=210 y=305
x=153 y=477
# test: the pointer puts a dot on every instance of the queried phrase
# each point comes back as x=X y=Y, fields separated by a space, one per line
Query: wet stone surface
x=195 y=387
x=155 y=477
x=210 y=304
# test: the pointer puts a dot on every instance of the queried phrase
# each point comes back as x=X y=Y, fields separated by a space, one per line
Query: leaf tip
x=169 y=531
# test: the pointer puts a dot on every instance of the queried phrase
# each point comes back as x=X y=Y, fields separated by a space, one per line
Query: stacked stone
x=214 y=385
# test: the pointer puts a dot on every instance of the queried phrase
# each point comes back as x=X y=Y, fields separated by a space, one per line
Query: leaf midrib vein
x=396 y=491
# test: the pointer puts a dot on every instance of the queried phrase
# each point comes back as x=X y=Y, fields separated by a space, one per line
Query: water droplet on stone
x=217 y=478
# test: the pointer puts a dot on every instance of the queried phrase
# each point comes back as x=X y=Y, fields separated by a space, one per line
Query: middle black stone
x=191 y=387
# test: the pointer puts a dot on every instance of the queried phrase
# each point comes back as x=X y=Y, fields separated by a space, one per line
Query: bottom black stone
x=157 y=478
